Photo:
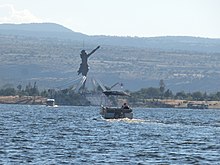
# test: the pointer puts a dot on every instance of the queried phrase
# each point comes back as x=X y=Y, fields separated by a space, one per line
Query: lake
x=33 y=134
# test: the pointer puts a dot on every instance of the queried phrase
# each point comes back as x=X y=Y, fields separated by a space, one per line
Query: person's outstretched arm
x=93 y=51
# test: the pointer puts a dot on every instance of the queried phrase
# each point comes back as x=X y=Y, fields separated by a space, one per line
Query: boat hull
x=116 y=113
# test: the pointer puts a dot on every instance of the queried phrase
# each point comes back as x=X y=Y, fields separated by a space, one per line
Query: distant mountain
x=44 y=27
x=166 y=43
x=51 y=30
x=49 y=54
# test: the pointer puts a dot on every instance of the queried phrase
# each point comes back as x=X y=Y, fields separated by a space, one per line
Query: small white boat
x=51 y=103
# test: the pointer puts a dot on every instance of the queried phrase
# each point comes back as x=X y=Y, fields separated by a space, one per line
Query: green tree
x=153 y=93
x=168 y=94
x=181 y=95
x=19 y=87
x=162 y=86
x=197 y=96
x=218 y=95
x=8 y=92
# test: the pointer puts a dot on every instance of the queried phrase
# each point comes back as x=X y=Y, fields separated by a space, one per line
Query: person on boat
x=125 y=106
x=84 y=67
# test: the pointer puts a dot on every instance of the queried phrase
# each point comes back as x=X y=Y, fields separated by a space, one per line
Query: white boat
x=116 y=112
x=50 y=102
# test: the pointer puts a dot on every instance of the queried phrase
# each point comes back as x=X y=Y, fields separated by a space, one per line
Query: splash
x=126 y=120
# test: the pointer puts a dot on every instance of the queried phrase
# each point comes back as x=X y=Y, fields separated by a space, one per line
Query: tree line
x=29 y=90
x=162 y=93
x=69 y=97
x=62 y=97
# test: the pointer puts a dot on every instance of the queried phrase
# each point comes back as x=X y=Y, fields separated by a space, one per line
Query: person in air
x=84 y=67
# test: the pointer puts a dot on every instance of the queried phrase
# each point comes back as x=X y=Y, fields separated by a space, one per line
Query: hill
x=39 y=30
x=49 y=54
x=166 y=43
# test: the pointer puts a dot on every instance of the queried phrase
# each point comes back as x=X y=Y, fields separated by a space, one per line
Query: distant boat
x=193 y=105
x=116 y=112
x=51 y=103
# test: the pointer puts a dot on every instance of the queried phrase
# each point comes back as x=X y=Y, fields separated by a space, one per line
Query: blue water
x=78 y=135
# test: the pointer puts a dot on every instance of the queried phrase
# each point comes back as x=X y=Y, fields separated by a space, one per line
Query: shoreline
x=28 y=100
x=150 y=103
x=171 y=103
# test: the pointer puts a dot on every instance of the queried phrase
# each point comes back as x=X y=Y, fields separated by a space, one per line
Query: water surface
x=78 y=135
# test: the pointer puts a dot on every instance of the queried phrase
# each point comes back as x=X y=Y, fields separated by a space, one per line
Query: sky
x=141 y=18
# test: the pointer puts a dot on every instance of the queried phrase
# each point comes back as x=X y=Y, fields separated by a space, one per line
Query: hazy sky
x=143 y=18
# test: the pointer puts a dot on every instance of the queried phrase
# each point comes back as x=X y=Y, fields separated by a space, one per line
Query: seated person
x=125 y=106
